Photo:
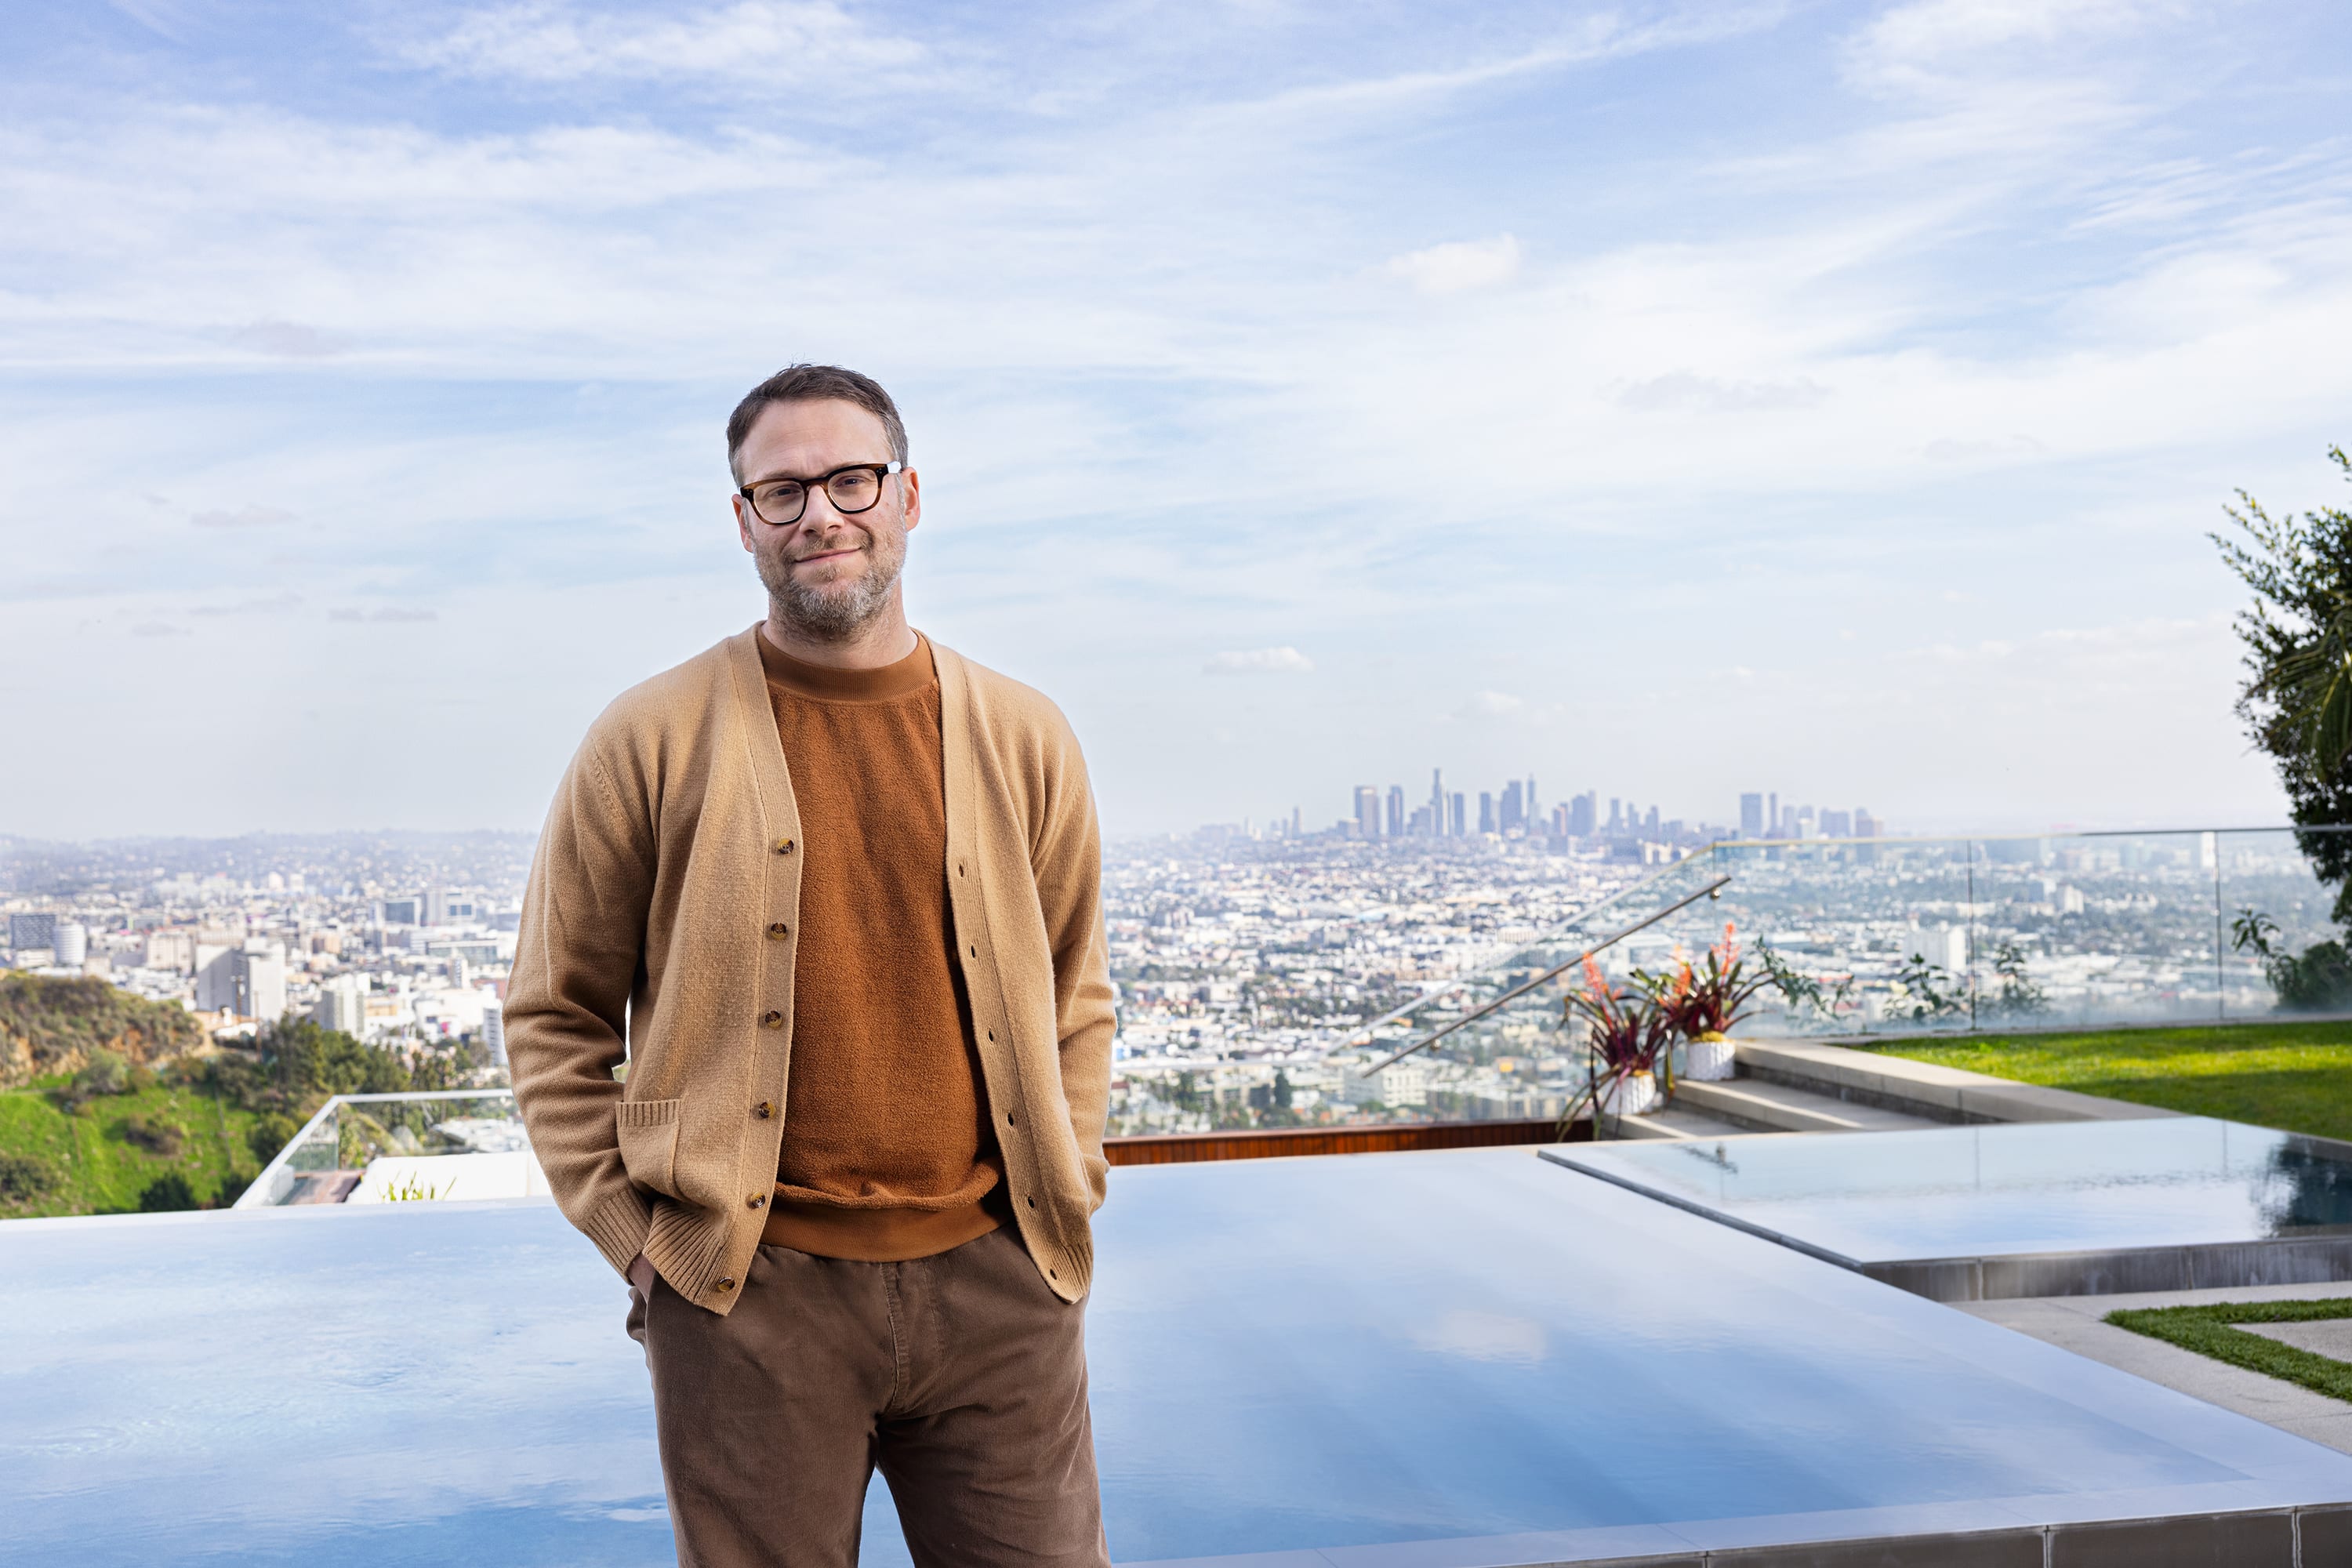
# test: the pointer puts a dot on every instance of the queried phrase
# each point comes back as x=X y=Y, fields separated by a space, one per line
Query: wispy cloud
x=247 y=516
x=1441 y=341
x=1682 y=389
x=1462 y=265
x=287 y=340
x=795 y=47
x=1259 y=661
x=269 y=604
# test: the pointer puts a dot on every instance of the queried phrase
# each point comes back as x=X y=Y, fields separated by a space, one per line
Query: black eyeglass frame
x=824 y=481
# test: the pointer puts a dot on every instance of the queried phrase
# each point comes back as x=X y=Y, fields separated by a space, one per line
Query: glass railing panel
x=1526 y=1059
x=1895 y=936
x=386 y=1147
x=2095 y=928
x=1869 y=935
x=2269 y=895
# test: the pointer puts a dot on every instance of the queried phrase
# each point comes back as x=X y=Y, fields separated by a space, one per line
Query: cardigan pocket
x=648 y=1135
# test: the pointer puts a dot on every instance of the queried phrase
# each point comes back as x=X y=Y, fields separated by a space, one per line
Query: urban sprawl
x=1264 y=973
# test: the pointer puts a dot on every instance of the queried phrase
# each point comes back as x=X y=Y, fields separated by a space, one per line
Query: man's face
x=827 y=574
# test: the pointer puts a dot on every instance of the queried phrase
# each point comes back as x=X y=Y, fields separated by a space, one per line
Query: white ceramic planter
x=1707 y=1060
x=1634 y=1095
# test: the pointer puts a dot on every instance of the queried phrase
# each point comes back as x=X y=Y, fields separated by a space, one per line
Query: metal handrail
x=1361 y=1034
x=1713 y=890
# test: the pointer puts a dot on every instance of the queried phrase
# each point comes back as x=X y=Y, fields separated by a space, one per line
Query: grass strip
x=2293 y=1074
x=2212 y=1331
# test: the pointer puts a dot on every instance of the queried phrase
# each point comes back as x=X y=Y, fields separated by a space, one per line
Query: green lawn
x=97 y=1169
x=2296 y=1076
x=2213 y=1330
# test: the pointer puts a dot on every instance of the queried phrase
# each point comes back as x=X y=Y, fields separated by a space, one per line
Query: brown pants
x=960 y=1374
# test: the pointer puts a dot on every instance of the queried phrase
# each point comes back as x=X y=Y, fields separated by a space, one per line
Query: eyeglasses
x=851 y=487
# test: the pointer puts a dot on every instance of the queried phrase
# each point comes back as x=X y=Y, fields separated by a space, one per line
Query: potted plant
x=1627 y=1035
x=1703 y=1002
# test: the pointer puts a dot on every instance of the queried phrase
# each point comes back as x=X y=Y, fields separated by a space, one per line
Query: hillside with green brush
x=49 y=1025
x=168 y=1145
x=115 y=1134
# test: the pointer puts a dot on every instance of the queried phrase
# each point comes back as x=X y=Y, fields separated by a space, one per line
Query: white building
x=248 y=981
x=342 y=1004
x=494 y=1030
x=171 y=950
x=1398 y=1084
x=72 y=945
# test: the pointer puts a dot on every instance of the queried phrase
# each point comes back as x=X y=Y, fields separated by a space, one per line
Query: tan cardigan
x=663 y=908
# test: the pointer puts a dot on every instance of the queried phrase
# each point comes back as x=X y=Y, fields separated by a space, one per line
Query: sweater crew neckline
x=821 y=683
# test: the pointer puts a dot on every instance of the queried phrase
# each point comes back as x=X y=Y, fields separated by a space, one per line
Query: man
x=839 y=891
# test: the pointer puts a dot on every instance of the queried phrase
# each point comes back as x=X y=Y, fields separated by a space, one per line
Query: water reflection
x=2308 y=1189
x=1949 y=1192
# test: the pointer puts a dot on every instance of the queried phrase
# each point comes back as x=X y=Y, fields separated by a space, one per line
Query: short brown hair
x=815 y=383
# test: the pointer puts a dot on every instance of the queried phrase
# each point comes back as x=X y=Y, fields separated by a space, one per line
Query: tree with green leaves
x=2297 y=697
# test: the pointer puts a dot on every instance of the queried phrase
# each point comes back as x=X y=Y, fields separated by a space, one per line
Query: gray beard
x=834 y=613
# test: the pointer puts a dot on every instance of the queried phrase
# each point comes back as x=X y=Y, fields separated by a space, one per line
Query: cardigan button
x=783 y=845
x=756 y=1201
x=778 y=931
x=772 y=1020
x=764 y=1110
x=725 y=1283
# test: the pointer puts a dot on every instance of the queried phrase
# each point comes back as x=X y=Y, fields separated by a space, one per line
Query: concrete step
x=1922 y=1089
x=1753 y=1103
x=1676 y=1120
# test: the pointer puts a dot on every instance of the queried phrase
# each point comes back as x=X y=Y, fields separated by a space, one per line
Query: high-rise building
x=1562 y=821
x=1616 y=816
x=1513 y=813
x=1418 y=824
x=1867 y=825
x=169 y=949
x=1752 y=816
x=30 y=931
x=1650 y=823
x=494 y=1030
x=342 y=1004
x=1772 y=815
x=1529 y=810
x=1396 y=811
x=1437 y=800
x=1456 y=815
x=1367 y=811
x=1836 y=824
x=248 y=982
x=1486 y=811
x=1582 y=812
x=71 y=940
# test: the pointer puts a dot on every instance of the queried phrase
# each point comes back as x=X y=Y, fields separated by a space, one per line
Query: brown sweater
x=887 y=1154
x=672 y=849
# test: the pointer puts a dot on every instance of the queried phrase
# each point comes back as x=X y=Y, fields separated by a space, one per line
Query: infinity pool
x=2240 y=1198
x=1473 y=1357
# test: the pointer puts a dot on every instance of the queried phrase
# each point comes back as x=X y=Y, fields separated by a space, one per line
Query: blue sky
x=1670 y=400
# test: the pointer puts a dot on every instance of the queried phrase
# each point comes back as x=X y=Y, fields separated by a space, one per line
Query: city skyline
x=1517 y=809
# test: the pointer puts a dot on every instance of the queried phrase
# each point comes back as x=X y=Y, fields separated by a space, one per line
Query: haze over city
x=1670 y=400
